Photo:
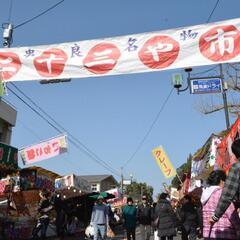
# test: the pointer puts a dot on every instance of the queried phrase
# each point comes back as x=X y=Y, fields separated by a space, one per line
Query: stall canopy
x=204 y=160
x=105 y=195
x=37 y=177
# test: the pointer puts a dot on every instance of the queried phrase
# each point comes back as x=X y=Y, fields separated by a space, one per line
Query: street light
x=131 y=177
x=177 y=81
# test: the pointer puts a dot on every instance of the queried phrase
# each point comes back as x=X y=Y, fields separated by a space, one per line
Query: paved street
x=119 y=236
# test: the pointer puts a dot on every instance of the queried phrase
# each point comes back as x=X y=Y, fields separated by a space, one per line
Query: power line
x=214 y=8
x=61 y=127
x=150 y=129
x=39 y=15
x=40 y=139
x=10 y=10
x=83 y=147
x=77 y=145
x=206 y=71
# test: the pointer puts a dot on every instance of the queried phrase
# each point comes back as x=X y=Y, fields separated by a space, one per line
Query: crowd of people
x=49 y=205
x=214 y=215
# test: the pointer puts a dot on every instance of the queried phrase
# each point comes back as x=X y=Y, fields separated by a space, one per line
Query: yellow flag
x=164 y=162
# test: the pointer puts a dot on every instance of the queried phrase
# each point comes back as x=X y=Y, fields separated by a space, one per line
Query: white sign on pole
x=202 y=86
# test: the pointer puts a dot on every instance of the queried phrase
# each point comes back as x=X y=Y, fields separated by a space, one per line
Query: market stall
x=204 y=161
x=19 y=194
x=72 y=192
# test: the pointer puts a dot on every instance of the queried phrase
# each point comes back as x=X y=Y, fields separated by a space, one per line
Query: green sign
x=8 y=156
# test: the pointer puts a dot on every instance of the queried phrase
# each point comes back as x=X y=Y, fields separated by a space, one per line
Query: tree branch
x=219 y=108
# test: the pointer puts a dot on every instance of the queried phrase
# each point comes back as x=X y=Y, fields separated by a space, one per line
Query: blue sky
x=111 y=114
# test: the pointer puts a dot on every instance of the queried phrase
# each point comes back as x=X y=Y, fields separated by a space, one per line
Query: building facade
x=8 y=116
x=101 y=183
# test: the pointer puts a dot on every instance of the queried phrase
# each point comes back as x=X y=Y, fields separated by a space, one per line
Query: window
x=94 y=187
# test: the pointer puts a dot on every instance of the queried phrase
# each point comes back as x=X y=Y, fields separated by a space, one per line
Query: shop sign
x=8 y=156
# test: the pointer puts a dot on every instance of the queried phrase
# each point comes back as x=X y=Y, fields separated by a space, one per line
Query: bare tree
x=214 y=104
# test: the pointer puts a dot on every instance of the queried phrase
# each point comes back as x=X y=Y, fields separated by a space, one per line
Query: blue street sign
x=201 y=86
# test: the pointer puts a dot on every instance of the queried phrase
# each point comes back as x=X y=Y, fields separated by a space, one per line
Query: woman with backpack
x=165 y=219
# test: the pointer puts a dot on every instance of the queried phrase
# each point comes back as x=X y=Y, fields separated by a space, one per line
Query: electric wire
x=59 y=125
x=214 y=8
x=10 y=10
x=165 y=102
x=205 y=71
x=39 y=15
x=86 y=150
x=149 y=130
x=77 y=145
x=40 y=139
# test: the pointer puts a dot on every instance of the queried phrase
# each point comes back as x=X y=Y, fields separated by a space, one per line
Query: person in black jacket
x=167 y=219
x=145 y=218
x=44 y=208
x=60 y=215
x=191 y=219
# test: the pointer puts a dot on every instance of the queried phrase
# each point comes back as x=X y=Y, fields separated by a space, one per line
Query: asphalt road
x=120 y=235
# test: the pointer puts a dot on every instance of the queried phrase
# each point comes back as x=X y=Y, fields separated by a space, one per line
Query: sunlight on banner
x=163 y=162
x=198 y=45
x=44 y=150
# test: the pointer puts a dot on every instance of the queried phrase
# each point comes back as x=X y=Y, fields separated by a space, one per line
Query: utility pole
x=223 y=85
x=122 y=182
x=224 y=95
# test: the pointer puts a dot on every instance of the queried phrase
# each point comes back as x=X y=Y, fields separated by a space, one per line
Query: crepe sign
x=163 y=162
x=44 y=150
x=154 y=51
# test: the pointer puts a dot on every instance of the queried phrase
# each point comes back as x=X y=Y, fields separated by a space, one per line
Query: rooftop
x=96 y=178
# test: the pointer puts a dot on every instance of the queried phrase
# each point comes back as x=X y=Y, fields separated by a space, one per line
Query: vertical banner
x=44 y=150
x=163 y=162
x=225 y=156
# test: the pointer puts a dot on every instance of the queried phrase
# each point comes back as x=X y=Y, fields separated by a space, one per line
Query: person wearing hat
x=144 y=216
x=130 y=219
x=99 y=219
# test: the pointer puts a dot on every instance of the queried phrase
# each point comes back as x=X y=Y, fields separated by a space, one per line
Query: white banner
x=44 y=150
x=177 y=48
